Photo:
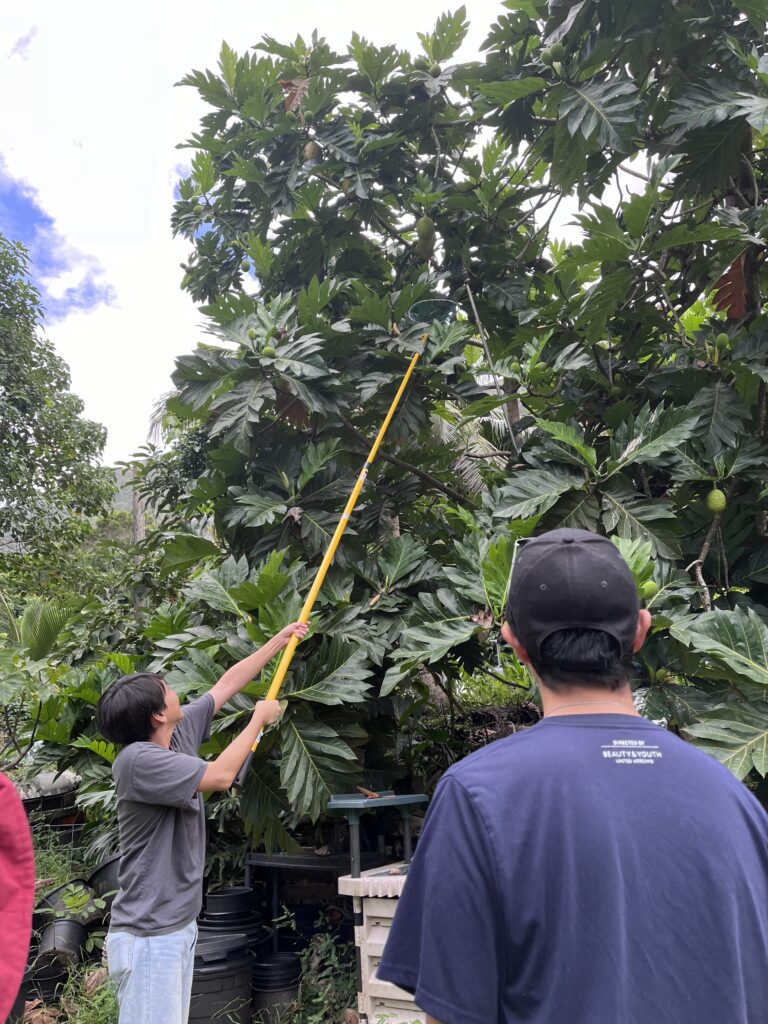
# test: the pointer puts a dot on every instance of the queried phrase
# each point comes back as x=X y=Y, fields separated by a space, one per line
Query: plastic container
x=46 y=981
x=62 y=941
x=275 y=985
x=103 y=880
x=236 y=900
x=221 y=981
x=49 y=791
x=55 y=903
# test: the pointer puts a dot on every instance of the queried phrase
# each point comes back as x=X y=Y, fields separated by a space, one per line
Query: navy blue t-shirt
x=594 y=869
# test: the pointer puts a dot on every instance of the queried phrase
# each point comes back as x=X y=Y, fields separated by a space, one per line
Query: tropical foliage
x=611 y=377
x=50 y=483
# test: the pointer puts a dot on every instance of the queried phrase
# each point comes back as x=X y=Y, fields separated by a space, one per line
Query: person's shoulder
x=202 y=703
x=199 y=710
x=140 y=750
x=506 y=752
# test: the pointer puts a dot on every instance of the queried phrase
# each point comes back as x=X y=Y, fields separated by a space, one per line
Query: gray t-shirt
x=161 y=819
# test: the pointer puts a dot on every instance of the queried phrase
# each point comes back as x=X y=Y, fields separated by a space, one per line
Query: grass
x=54 y=859
x=84 y=1003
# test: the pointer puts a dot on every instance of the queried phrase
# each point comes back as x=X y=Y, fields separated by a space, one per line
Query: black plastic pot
x=277 y=970
x=258 y=936
x=234 y=899
x=46 y=981
x=62 y=941
x=103 y=880
x=221 y=981
x=49 y=792
x=54 y=903
x=275 y=985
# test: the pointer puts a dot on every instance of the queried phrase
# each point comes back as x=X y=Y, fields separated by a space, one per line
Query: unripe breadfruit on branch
x=425 y=247
x=716 y=500
x=425 y=227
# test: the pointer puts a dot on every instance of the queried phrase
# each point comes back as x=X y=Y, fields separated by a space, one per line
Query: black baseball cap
x=571 y=579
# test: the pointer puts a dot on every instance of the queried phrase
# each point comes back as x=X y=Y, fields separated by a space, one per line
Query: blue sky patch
x=23 y=219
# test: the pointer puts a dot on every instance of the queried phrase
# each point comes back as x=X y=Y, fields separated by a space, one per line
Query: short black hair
x=563 y=651
x=125 y=709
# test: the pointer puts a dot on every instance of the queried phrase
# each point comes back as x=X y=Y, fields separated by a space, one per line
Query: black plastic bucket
x=45 y=981
x=103 y=880
x=233 y=900
x=62 y=941
x=54 y=905
x=275 y=985
x=221 y=981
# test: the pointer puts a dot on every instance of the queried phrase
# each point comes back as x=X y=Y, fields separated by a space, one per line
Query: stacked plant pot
x=230 y=933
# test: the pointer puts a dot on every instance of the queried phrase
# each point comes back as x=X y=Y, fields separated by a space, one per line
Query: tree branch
x=395 y=461
x=698 y=564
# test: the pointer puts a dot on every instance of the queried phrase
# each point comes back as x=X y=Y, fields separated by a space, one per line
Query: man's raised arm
x=235 y=678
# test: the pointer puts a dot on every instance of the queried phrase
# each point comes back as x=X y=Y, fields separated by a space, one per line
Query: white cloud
x=92 y=127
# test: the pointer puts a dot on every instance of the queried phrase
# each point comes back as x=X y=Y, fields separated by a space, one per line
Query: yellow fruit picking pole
x=293 y=643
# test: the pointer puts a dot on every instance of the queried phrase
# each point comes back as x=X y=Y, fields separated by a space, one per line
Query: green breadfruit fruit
x=716 y=500
x=425 y=228
x=313 y=152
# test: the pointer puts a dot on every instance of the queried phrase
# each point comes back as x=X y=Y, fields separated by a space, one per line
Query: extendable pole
x=285 y=661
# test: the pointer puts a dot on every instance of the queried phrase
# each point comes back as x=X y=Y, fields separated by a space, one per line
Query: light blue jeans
x=153 y=974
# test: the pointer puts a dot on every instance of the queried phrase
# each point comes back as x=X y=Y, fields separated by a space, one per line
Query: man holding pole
x=593 y=869
x=159 y=781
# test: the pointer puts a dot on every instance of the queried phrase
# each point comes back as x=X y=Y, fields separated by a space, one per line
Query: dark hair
x=565 y=650
x=125 y=709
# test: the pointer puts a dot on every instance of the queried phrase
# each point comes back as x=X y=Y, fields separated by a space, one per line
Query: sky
x=89 y=127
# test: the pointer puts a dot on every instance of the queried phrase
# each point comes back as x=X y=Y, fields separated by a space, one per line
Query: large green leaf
x=316 y=763
x=605 y=110
x=571 y=435
x=450 y=31
x=508 y=91
x=213 y=587
x=752 y=352
x=256 y=509
x=496 y=571
x=194 y=672
x=736 y=734
x=337 y=674
x=264 y=807
x=710 y=157
x=533 y=491
x=638 y=554
x=41 y=624
x=266 y=582
x=200 y=376
x=651 y=434
x=736 y=640
x=236 y=412
x=401 y=557
x=722 y=415
x=601 y=302
x=184 y=550
x=699 y=106
x=315 y=457
x=635 y=517
x=106 y=751
x=756 y=11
